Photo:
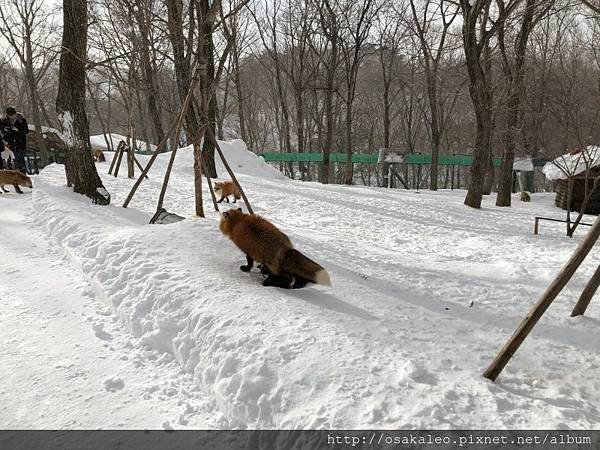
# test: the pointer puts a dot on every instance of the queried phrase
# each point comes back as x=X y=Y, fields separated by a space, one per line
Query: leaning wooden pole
x=119 y=159
x=198 y=179
x=163 y=189
x=587 y=294
x=212 y=193
x=534 y=315
x=175 y=128
x=137 y=163
x=211 y=135
x=115 y=157
x=167 y=177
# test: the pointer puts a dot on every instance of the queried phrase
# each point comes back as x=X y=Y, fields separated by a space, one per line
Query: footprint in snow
x=100 y=333
x=114 y=384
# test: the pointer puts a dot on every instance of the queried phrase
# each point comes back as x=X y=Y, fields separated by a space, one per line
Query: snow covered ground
x=425 y=291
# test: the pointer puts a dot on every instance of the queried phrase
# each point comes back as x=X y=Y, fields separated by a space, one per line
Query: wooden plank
x=587 y=294
x=538 y=310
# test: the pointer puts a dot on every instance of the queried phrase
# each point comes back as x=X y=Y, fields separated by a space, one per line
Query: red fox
x=525 y=197
x=15 y=178
x=263 y=242
x=225 y=189
x=99 y=156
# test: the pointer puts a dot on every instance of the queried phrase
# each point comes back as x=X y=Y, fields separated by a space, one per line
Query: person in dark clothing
x=14 y=129
x=1 y=150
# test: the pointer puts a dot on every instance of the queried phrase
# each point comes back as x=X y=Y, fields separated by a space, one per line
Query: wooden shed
x=54 y=143
x=579 y=167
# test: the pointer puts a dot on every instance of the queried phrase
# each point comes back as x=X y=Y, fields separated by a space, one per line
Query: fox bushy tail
x=298 y=265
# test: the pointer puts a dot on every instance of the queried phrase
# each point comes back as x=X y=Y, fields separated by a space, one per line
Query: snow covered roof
x=523 y=164
x=44 y=129
x=572 y=163
x=98 y=142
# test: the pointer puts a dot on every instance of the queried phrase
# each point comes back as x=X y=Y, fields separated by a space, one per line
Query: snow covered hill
x=425 y=291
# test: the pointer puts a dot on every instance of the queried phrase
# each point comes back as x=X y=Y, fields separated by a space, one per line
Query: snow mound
x=252 y=355
x=98 y=142
x=240 y=160
x=572 y=164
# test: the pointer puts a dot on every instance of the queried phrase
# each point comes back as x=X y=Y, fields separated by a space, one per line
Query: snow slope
x=65 y=361
x=425 y=292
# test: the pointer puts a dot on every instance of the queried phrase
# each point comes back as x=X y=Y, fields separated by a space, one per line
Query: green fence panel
x=414 y=158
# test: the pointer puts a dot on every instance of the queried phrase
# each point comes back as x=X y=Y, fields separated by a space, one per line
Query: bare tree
x=330 y=58
x=29 y=29
x=477 y=30
x=513 y=66
x=70 y=104
x=357 y=19
x=431 y=22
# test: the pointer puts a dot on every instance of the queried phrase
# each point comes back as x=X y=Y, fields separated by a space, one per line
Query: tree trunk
x=349 y=175
x=182 y=61
x=240 y=94
x=435 y=127
x=285 y=116
x=386 y=114
x=208 y=58
x=300 y=129
x=514 y=76
x=329 y=111
x=148 y=71
x=35 y=109
x=70 y=104
x=479 y=91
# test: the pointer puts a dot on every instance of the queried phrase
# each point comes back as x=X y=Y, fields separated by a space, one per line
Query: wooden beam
x=538 y=310
x=587 y=294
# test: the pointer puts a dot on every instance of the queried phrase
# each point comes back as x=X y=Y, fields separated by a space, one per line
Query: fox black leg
x=299 y=283
x=248 y=267
x=17 y=189
x=3 y=189
x=280 y=281
x=222 y=198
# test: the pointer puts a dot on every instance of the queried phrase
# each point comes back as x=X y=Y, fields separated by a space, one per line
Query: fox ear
x=239 y=209
x=226 y=215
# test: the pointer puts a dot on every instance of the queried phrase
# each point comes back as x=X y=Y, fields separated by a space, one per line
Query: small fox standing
x=263 y=242
x=15 y=178
x=225 y=189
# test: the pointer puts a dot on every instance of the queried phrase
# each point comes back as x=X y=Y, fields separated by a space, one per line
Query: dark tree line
x=492 y=78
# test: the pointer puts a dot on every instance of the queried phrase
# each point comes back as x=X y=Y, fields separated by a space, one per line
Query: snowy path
x=64 y=361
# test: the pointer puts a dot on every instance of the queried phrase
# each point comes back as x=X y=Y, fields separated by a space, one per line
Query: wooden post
x=130 y=168
x=534 y=315
x=536 y=226
x=229 y=171
x=587 y=294
x=114 y=160
x=119 y=158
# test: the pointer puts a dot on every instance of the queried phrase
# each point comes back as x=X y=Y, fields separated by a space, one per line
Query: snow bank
x=178 y=289
x=572 y=164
